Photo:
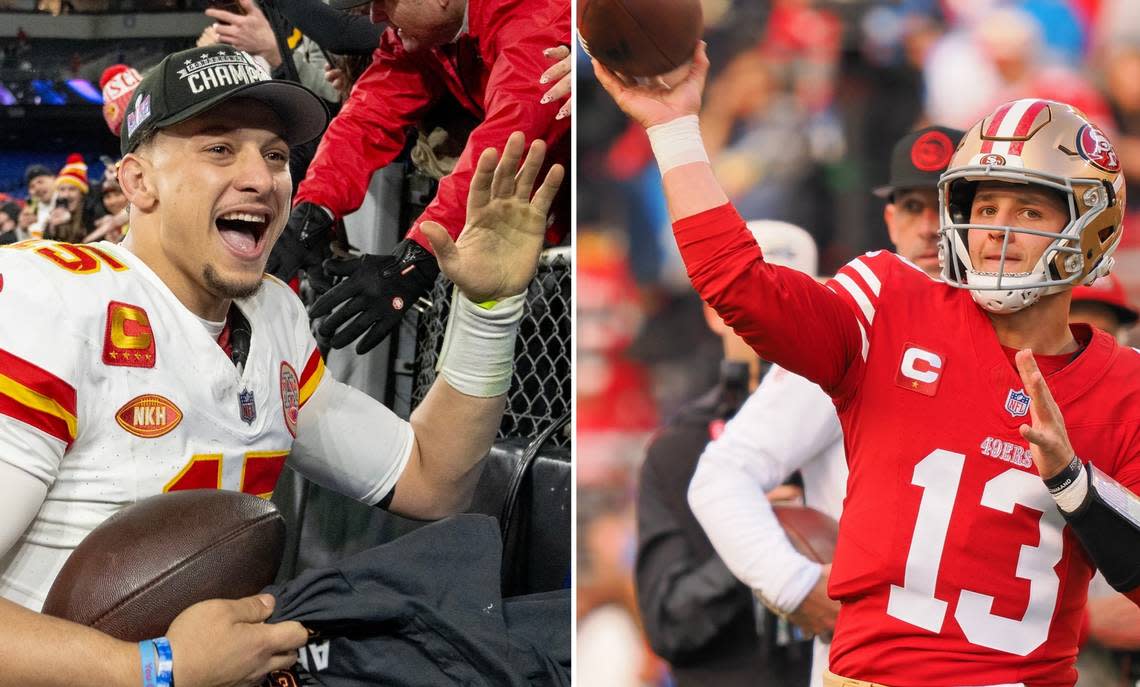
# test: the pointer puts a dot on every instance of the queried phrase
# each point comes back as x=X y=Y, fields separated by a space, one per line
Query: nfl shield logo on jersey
x=247 y=406
x=1017 y=403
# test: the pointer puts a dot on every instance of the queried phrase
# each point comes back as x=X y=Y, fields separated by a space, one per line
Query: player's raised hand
x=497 y=253
x=1048 y=440
x=655 y=103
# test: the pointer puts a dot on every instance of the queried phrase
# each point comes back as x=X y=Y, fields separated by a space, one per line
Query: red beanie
x=74 y=173
x=118 y=83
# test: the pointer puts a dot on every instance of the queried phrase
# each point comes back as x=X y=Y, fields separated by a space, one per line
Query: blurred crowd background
x=804 y=100
x=63 y=88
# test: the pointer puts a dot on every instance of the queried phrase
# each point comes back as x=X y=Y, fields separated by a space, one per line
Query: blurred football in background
x=147 y=563
x=640 y=38
x=812 y=533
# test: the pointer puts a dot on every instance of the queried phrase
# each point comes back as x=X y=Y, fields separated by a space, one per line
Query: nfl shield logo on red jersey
x=246 y=406
x=1017 y=403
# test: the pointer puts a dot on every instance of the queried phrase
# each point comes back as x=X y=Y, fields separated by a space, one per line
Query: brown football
x=811 y=532
x=640 y=37
x=147 y=563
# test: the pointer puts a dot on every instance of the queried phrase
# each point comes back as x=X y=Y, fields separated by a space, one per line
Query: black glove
x=304 y=244
x=379 y=289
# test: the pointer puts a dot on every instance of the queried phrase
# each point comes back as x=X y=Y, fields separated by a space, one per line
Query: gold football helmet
x=1034 y=142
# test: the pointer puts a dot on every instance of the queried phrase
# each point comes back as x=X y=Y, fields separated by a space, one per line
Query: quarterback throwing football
x=993 y=450
x=172 y=362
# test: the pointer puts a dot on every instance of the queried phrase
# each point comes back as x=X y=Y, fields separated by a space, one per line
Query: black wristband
x=1057 y=483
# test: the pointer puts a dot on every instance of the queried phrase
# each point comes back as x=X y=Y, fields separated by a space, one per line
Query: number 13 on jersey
x=939 y=475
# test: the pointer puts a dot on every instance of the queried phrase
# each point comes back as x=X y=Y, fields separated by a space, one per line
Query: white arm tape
x=478 y=356
x=677 y=143
x=1071 y=497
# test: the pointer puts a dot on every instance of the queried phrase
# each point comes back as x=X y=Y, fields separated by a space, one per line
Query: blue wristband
x=165 y=662
x=148 y=657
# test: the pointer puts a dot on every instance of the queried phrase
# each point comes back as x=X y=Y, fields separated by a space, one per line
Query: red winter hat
x=74 y=173
x=1109 y=291
x=118 y=83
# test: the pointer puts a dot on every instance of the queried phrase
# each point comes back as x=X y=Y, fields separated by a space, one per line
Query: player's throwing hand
x=1048 y=440
x=653 y=105
x=497 y=252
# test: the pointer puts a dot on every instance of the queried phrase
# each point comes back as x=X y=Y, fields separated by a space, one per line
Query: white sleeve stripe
x=866 y=342
x=868 y=276
x=861 y=299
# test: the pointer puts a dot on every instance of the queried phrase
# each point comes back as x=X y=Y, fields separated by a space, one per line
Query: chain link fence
x=540 y=389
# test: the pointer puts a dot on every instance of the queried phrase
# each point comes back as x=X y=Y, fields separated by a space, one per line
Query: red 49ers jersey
x=112 y=391
x=954 y=566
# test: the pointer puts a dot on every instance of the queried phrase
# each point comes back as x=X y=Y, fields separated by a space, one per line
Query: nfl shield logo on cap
x=1017 y=403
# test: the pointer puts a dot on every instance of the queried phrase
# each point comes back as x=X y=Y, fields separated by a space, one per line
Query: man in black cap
x=182 y=315
x=41 y=187
x=911 y=213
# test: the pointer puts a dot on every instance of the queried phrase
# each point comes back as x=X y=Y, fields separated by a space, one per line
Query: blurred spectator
x=1003 y=57
x=25 y=221
x=697 y=615
x=1104 y=305
x=770 y=138
x=112 y=225
x=9 y=221
x=68 y=220
x=40 y=182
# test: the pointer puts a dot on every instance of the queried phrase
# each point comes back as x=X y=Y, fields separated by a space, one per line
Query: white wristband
x=677 y=143
x=478 y=355
x=1071 y=497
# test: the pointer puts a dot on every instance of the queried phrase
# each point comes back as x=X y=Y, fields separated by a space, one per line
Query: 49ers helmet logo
x=1095 y=147
x=993 y=159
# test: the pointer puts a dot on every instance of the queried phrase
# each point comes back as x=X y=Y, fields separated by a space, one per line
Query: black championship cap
x=919 y=158
x=189 y=82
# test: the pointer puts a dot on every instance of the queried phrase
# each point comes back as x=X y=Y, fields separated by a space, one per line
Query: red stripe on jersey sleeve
x=311 y=366
x=785 y=315
x=37 y=398
x=38 y=379
x=48 y=423
x=852 y=287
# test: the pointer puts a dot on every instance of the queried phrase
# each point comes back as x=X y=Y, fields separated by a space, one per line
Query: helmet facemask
x=1064 y=263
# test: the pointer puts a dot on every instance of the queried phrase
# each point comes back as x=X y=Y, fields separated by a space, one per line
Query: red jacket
x=492 y=70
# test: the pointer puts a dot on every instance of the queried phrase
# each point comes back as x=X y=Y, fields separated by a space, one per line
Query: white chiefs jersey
x=111 y=391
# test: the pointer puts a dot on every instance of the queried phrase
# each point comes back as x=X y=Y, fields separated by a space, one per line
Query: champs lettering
x=212 y=71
